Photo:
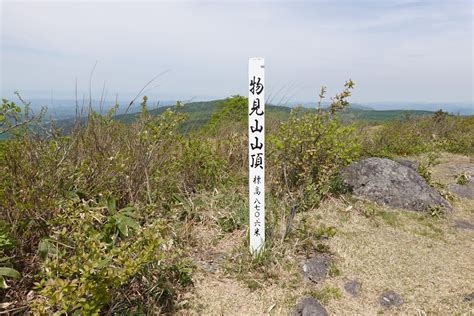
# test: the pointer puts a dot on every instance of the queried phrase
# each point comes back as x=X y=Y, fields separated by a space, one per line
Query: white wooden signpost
x=256 y=85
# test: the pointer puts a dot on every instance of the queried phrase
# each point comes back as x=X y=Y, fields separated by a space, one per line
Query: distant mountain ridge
x=311 y=105
x=199 y=114
x=66 y=108
x=462 y=108
x=453 y=108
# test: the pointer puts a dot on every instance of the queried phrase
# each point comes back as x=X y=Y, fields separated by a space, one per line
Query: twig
x=148 y=190
x=18 y=124
x=16 y=309
x=144 y=87
x=90 y=87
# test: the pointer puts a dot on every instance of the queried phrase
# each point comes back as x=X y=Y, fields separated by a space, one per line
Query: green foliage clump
x=424 y=169
x=310 y=149
x=311 y=236
x=57 y=205
x=326 y=294
x=6 y=244
x=334 y=270
x=14 y=119
x=6 y=271
x=91 y=257
x=232 y=222
x=410 y=136
x=200 y=165
x=437 y=211
x=232 y=112
x=463 y=178
x=91 y=254
x=101 y=157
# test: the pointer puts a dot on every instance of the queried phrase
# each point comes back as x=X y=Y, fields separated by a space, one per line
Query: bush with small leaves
x=309 y=150
x=86 y=264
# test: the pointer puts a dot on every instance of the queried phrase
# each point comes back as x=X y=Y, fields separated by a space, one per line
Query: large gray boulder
x=388 y=182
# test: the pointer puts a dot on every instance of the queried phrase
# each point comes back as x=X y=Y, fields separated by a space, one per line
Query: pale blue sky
x=400 y=50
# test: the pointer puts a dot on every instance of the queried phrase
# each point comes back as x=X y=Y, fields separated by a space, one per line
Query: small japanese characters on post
x=256 y=132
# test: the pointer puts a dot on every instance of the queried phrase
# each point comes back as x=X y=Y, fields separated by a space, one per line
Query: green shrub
x=99 y=157
x=87 y=267
x=410 y=136
x=230 y=116
x=310 y=149
x=236 y=219
x=18 y=119
x=55 y=196
x=200 y=165
x=6 y=244
x=424 y=168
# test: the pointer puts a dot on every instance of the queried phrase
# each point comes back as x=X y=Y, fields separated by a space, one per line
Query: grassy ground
x=426 y=260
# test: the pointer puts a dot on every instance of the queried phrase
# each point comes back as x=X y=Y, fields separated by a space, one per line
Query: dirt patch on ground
x=220 y=295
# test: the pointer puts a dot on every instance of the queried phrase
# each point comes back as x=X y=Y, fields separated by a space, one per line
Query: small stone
x=316 y=268
x=390 y=299
x=353 y=287
x=210 y=267
x=463 y=224
x=469 y=297
x=213 y=264
x=308 y=306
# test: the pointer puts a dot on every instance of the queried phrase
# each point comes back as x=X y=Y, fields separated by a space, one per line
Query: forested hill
x=200 y=112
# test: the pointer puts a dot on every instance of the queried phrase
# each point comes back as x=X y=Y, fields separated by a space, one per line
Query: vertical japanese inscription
x=256 y=134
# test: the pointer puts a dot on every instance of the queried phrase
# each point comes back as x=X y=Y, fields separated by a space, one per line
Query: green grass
x=390 y=218
x=326 y=294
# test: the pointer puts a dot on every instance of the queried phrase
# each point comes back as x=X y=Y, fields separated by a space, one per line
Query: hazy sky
x=400 y=50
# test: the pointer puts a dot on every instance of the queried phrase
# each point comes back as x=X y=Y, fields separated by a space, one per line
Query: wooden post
x=256 y=134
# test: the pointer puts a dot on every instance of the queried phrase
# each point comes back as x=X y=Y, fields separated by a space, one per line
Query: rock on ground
x=308 y=306
x=463 y=190
x=316 y=268
x=407 y=163
x=353 y=287
x=388 y=182
x=469 y=297
x=463 y=224
x=390 y=299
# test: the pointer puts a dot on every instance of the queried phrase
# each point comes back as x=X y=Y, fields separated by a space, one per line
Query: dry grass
x=426 y=260
x=451 y=165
